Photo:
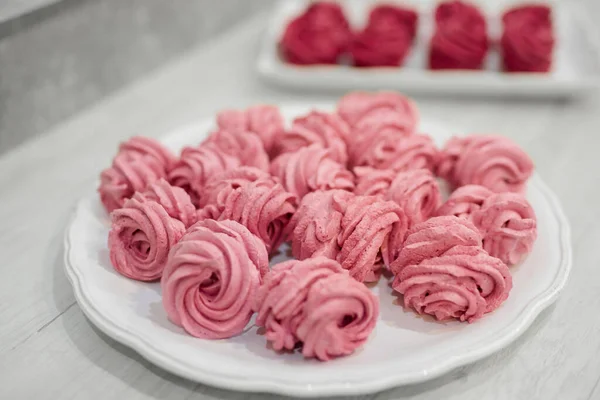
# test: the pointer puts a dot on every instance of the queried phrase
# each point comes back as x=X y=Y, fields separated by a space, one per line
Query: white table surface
x=49 y=350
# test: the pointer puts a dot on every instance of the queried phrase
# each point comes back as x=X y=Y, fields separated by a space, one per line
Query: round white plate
x=404 y=348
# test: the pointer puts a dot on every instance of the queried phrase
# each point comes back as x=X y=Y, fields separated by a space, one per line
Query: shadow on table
x=89 y=340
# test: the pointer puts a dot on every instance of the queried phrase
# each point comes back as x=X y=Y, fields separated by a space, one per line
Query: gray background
x=59 y=59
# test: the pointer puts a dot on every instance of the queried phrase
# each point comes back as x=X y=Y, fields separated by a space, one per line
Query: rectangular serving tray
x=576 y=67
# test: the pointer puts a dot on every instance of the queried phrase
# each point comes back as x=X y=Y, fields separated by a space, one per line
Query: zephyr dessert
x=309 y=169
x=462 y=36
x=211 y=277
x=354 y=191
x=460 y=39
x=328 y=130
x=265 y=121
x=387 y=38
x=315 y=304
x=493 y=161
x=320 y=35
x=528 y=39
x=506 y=221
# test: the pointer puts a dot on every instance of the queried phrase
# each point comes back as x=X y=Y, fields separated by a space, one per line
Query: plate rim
x=179 y=367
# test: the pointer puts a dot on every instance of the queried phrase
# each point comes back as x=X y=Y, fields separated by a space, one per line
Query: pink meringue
x=311 y=168
x=372 y=230
x=317 y=223
x=463 y=283
x=145 y=146
x=140 y=239
x=262 y=206
x=373 y=182
x=328 y=130
x=355 y=106
x=129 y=173
x=174 y=200
x=233 y=179
x=448 y=157
x=434 y=237
x=339 y=315
x=399 y=153
x=377 y=133
x=416 y=191
x=315 y=303
x=464 y=201
x=197 y=165
x=246 y=147
x=264 y=120
x=508 y=225
x=211 y=278
x=495 y=162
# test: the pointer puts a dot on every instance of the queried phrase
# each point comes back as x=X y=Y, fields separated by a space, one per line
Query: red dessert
x=326 y=129
x=493 y=161
x=319 y=36
x=387 y=38
x=528 y=39
x=197 y=165
x=316 y=305
x=386 y=15
x=460 y=39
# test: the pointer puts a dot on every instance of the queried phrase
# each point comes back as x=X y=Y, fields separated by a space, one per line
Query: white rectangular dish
x=576 y=69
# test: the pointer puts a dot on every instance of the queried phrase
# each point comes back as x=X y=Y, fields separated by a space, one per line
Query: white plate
x=404 y=348
x=576 y=68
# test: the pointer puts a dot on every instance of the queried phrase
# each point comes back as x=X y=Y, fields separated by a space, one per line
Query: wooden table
x=48 y=349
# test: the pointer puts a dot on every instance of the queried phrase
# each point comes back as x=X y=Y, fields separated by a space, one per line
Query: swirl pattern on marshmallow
x=464 y=201
x=460 y=39
x=317 y=223
x=527 y=39
x=396 y=152
x=211 y=278
x=416 y=191
x=320 y=35
x=495 y=162
x=340 y=314
x=385 y=16
x=463 y=283
x=325 y=129
x=129 y=173
x=508 y=225
x=386 y=39
x=264 y=120
x=372 y=231
x=262 y=206
x=356 y=106
x=448 y=157
x=377 y=133
x=246 y=147
x=373 y=182
x=197 y=165
x=145 y=146
x=141 y=236
x=434 y=237
x=311 y=168
x=232 y=179
x=316 y=304
x=174 y=200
